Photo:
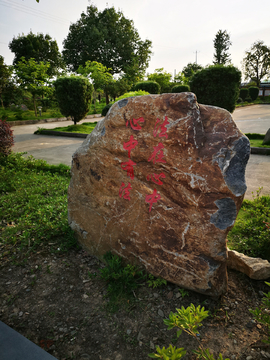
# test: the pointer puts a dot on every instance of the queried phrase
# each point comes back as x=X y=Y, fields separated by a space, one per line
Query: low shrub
x=106 y=109
x=239 y=100
x=243 y=93
x=6 y=138
x=73 y=94
x=150 y=86
x=217 y=85
x=253 y=92
x=180 y=88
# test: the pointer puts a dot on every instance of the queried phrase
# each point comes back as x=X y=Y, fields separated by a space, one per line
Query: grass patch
x=122 y=281
x=33 y=206
x=251 y=232
x=85 y=128
x=256 y=140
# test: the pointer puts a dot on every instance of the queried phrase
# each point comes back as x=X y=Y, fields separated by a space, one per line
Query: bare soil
x=53 y=301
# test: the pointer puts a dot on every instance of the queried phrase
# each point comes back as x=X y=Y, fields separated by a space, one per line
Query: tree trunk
x=35 y=106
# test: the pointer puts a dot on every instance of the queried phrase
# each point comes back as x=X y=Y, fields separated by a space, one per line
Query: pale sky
x=176 y=28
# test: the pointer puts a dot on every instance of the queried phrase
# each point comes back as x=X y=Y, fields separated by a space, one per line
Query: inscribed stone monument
x=159 y=182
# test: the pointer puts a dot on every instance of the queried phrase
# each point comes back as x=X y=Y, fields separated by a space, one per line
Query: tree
x=163 y=78
x=32 y=76
x=73 y=94
x=256 y=63
x=190 y=69
x=221 y=44
x=38 y=47
x=108 y=38
x=100 y=76
x=5 y=74
x=217 y=85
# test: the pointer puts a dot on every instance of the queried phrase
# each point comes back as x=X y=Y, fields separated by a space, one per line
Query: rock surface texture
x=159 y=182
x=255 y=268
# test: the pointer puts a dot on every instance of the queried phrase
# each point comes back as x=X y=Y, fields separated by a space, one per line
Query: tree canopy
x=190 y=69
x=163 y=78
x=32 y=75
x=108 y=38
x=5 y=74
x=256 y=63
x=221 y=44
x=38 y=47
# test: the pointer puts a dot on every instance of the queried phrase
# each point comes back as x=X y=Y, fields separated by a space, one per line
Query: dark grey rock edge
x=226 y=214
x=14 y=346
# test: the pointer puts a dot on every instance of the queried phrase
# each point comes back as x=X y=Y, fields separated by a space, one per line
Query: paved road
x=59 y=149
x=253 y=119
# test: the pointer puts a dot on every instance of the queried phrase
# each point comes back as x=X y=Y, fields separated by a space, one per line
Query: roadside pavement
x=56 y=150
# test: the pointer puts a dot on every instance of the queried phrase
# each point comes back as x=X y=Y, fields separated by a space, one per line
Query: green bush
x=239 y=100
x=180 y=88
x=253 y=92
x=106 y=109
x=243 y=93
x=217 y=85
x=73 y=94
x=150 y=86
x=129 y=94
x=6 y=138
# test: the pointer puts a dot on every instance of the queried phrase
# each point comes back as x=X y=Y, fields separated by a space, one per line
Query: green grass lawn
x=251 y=232
x=85 y=128
x=33 y=206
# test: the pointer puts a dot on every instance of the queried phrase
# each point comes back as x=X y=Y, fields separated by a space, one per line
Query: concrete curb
x=260 y=151
x=61 y=133
x=49 y=120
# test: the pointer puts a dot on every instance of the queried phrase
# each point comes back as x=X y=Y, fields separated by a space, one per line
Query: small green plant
x=48 y=270
x=122 y=280
x=188 y=320
x=170 y=353
x=180 y=88
x=155 y=282
x=262 y=314
x=183 y=292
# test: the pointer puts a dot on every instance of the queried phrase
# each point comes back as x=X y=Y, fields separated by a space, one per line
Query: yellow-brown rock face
x=160 y=182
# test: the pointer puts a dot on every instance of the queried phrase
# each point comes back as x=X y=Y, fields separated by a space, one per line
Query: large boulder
x=159 y=182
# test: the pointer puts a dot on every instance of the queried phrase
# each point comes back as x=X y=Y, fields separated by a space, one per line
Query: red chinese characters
x=128 y=167
x=131 y=144
x=125 y=191
x=162 y=128
x=134 y=123
x=157 y=155
x=152 y=198
x=156 y=178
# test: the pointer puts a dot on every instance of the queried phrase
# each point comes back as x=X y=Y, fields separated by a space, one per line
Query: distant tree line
x=105 y=48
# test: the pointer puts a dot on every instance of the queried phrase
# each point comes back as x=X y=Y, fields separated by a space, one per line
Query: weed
x=92 y=275
x=183 y=292
x=188 y=320
x=262 y=314
x=155 y=282
x=122 y=280
x=48 y=270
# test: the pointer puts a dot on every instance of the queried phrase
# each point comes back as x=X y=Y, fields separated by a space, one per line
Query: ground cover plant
x=62 y=298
